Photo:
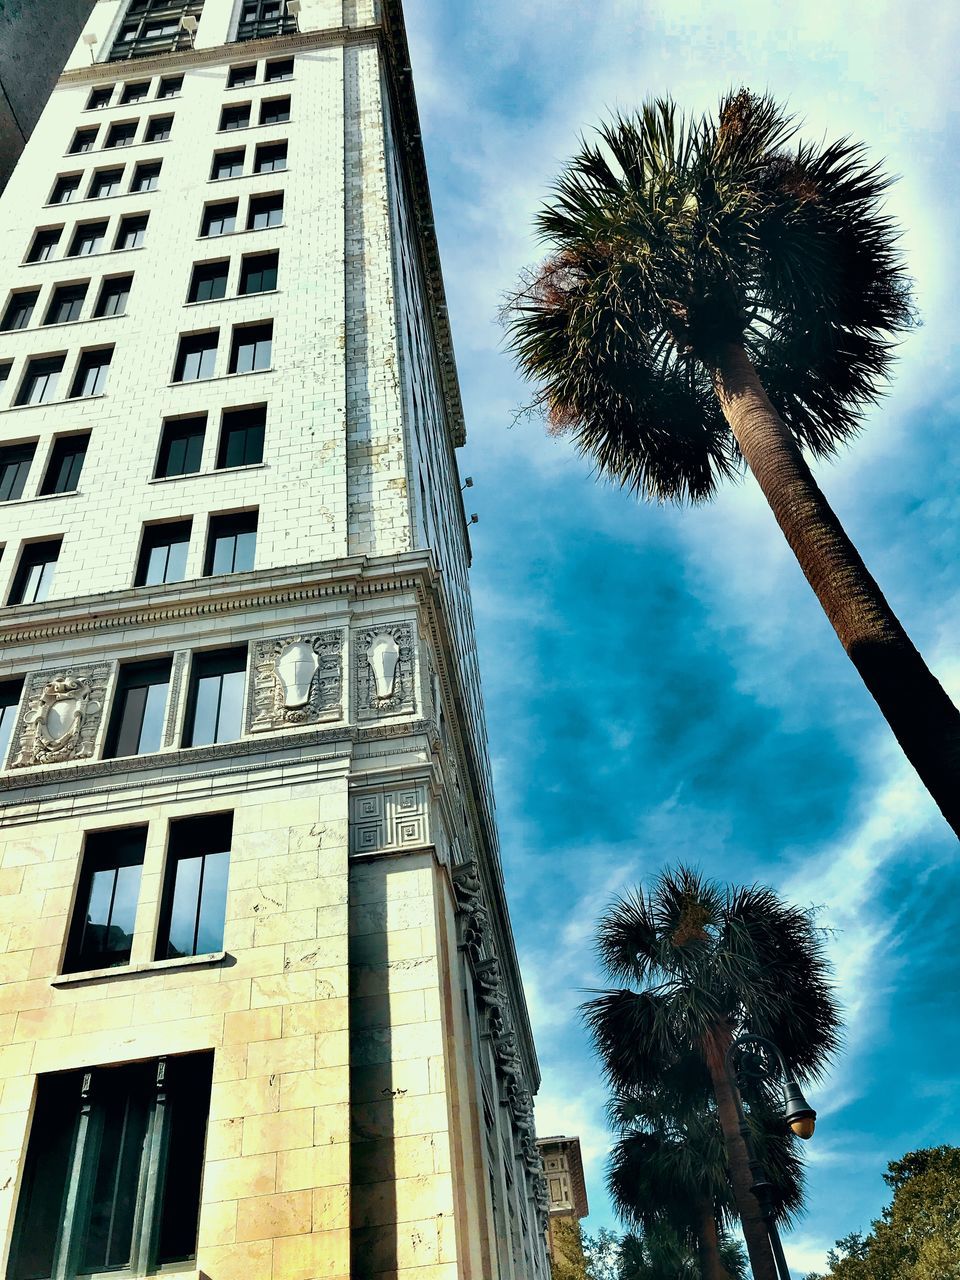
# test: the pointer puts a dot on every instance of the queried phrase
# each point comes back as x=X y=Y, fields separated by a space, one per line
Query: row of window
x=269 y=157
x=122 y=133
x=251 y=351
x=66 y=303
x=106 y=182
x=132 y=92
x=152 y=27
x=237 y=115
x=89 y=238
x=258 y=274
x=41 y=376
x=62 y=474
x=220 y=217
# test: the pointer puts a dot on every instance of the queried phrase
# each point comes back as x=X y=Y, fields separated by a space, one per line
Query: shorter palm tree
x=660 y=1254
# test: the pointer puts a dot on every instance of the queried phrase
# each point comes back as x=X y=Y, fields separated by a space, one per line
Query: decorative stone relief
x=474 y=921
x=384 y=670
x=384 y=820
x=296 y=680
x=61 y=716
x=173 y=701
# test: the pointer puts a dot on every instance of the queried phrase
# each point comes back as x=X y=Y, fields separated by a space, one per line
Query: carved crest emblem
x=296 y=680
x=61 y=717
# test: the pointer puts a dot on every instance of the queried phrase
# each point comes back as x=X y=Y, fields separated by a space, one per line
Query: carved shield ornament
x=383 y=655
x=296 y=667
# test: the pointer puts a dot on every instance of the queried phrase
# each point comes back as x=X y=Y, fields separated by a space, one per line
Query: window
x=39 y=385
x=65 y=188
x=136 y=725
x=196 y=356
x=271 y=157
x=275 y=111
x=44 y=243
x=19 y=310
x=251 y=348
x=232 y=544
x=113 y=296
x=158 y=129
x=105 y=182
x=227 y=164
x=209 y=281
x=5 y=367
x=66 y=303
x=262 y=18
x=219 y=219
x=101 y=932
x=121 y=135
x=215 y=700
x=132 y=231
x=258 y=273
x=66 y=463
x=87 y=239
x=131 y=1139
x=235 y=117
x=241 y=437
x=91 y=376
x=163 y=553
x=83 y=141
x=100 y=98
x=181 y=446
x=146 y=176
x=195 y=887
x=170 y=86
x=34 y=576
x=280 y=69
x=134 y=92
x=15 y=462
x=265 y=211
x=153 y=27
x=238 y=77
x=10 y=691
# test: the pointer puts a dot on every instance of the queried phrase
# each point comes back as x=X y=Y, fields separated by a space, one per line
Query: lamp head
x=293 y=7
x=189 y=23
x=89 y=38
x=797 y=1112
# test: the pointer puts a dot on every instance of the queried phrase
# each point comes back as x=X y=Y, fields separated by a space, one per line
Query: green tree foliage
x=569 y=1261
x=658 y=1254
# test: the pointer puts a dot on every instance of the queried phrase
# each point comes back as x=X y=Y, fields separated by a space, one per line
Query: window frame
x=229 y=428
x=99 y=176
x=126 y=130
x=127 y=100
x=262 y=149
x=58 y=456
x=145 y=168
x=215 y=664
x=217 y=212
x=74 y=293
x=270 y=203
x=237 y=345
x=106 y=291
x=87 y=364
x=82 y=231
x=241 y=111
x=131 y=226
x=14 y=470
x=86 y=134
x=65 y=187
x=175 y=431
x=100 y=847
x=267 y=103
x=220 y=156
x=43 y=244
x=230 y=524
x=154 y=132
x=30 y=372
x=19 y=310
x=247 y=270
x=207 y=352
x=151 y=541
x=28 y=560
x=11 y=693
x=278 y=62
x=204 y=273
x=184 y=835
x=117 y=727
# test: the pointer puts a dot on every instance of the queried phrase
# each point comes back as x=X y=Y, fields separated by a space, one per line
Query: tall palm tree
x=717 y=294
x=707 y=963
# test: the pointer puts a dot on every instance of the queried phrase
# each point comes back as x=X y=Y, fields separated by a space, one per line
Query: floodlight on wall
x=293 y=9
x=89 y=39
x=188 y=23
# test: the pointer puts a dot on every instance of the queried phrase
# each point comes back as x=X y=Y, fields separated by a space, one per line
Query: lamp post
x=798 y=1114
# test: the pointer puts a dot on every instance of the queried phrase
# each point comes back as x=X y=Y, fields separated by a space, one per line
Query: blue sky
x=661 y=684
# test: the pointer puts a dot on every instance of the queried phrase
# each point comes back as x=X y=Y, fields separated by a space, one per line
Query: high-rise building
x=260 y=1010
x=566 y=1202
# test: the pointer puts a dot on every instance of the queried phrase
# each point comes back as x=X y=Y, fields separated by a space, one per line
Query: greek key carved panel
x=389 y=820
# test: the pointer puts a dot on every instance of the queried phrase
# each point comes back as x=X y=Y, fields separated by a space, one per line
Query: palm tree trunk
x=923 y=718
x=708 y=1244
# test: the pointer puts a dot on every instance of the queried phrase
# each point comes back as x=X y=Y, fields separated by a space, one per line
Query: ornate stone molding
x=384 y=669
x=61 y=715
x=474 y=921
x=173 y=701
x=295 y=680
x=384 y=820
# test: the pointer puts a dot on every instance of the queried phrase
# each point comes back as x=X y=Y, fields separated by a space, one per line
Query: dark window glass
x=101 y=932
x=64 y=189
x=158 y=129
x=66 y=304
x=5 y=367
x=10 y=691
x=65 y=465
x=219 y=219
x=44 y=243
x=216 y=699
x=265 y=211
x=99 y=98
x=181 y=447
x=136 y=724
x=132 y=231
x=121 y=135
x=113 y=296
x=83 y=141
x=146 y=176
x=15 y=462
x=281 y=69
x=19 y=310
x=105 y=182
x=195 y=887
x=260 y=19
x=251 y=348
x=271 y=157
x=34 y=576
x=227 y=164
x=258 y=273
x=208 y=282
x=241 y=437
x=170 y=86
x=39 y=385
x=239 y=76
x=163 y=554
x=196 y=357
x=87 y=239
x=91 y=376
x=134 y=92
x=275 y=111
x=235 y=117
x=232 y=545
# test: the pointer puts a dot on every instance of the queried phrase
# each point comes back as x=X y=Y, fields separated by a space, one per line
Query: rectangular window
x=19 y=310
x=15 y=460
x=241 y=437
x=114 y=294
x=121 y=135
x=238 y=77
x=215 y=699
x=196 y=356
x=87 y=239
x=83 y=141
x=251 y=348
x=275 y=111
x=39 y=384
x=90 y=378
x=66 y=463
x=65 y=188
x=10 y=691
x=34 y=576
x=129 y=1140
x=258 y=272
x=155 y=28
x=279 y=69
x=260 y=19
x=265 y=211
x=105 y=182
x=136 y=725
x=236 y=116
x=209 y=281
x=170 y=86
x=181 y=447
x=158 y=129
x=44 y=243
x=271 y=157
x=132 y=231
x=232 y=544
x=146 y=176
x=163 y=553
x=219 y=219
x=134 y=92
x=227 y=164
x=194 y=900
x=100 y=98
x=101 y=932
x=66 y=303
